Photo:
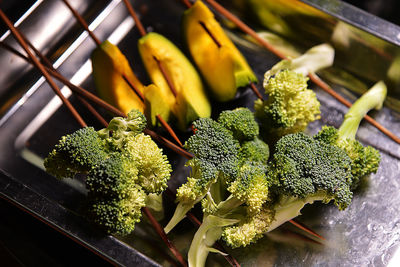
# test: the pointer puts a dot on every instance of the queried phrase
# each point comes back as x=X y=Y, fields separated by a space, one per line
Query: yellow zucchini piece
x=223 y=67
x=109 y=66
x=186 y=80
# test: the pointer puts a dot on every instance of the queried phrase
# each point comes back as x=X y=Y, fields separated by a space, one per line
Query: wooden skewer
x=76 y=89
x=37 y=64
x=313 y=77
x=255 y=91
x=48 y=65
x=163 y=235
x=168 y=128
x=21 y=40
x=105 y=105
x=131 y=85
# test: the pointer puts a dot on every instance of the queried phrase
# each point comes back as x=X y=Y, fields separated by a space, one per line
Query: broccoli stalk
x=125 y=169
x=372 y=99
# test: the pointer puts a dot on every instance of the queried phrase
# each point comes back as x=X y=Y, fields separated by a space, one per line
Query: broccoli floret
x=153 y=167
x=250 y=229
x=118 y=215
x=120 y=129
x=255 y=150
x=125 y=170
x=302 y=166
x=365 y=160
x=202 y=176
x=75 y=153
x=290 y=105
x=251 y=186
x=246 y=193
x=113 y=177
x=214 y=144
x=241 y=123
x=228 y=179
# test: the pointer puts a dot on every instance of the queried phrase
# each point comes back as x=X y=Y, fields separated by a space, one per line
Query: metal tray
x=367 y=233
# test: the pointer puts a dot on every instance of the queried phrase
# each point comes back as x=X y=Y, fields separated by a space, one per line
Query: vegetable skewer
x=313 y=77
x=131 y=85
x=37 y=64
x=22 y=42
x=255 y=90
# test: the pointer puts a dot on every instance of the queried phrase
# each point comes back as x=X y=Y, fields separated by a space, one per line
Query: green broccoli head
x=214 y=144
x=153 y=167
x=240 y=122
x=255 y=150
x=303 y=166
x=120 y=129
x=118 y=216
x=114 y=177
x=76 y=153
x=290 y=105
x=364 y=160
x=251 y=186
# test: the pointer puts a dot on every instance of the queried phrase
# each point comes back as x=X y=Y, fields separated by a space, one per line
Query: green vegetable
x=240 y=122
x=125 y=170
x=290 y=105
x=227 y=178
x=365 y=160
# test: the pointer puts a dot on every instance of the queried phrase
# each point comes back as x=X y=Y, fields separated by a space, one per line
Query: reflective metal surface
x=366 y=234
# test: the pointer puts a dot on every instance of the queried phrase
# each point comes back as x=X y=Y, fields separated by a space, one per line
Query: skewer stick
x=82 y=22
x=49 y=65
x=42 y=69
x=306 y=229
x=154 y=222
x=169 y=129
x=163 y=235
x=131 y=85
x=76 y=89
x=313 y=77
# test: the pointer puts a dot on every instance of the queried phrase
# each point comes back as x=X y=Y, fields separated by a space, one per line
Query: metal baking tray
x=33 y=119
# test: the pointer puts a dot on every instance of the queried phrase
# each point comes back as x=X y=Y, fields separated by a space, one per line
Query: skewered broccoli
x=125 y=170
x=290 y=105
x=229 y=185
x=365 y=160
x=305 y=169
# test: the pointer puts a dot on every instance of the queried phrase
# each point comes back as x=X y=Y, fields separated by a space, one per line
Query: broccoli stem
x=373 y=98
x=208 y=233
x=179 y=214
x=289 y=207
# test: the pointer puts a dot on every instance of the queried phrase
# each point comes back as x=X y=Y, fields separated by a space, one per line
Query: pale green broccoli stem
x=211 y=230
x=208 y=233
x=372 y=99
x=180 y=212
x=289 y=207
